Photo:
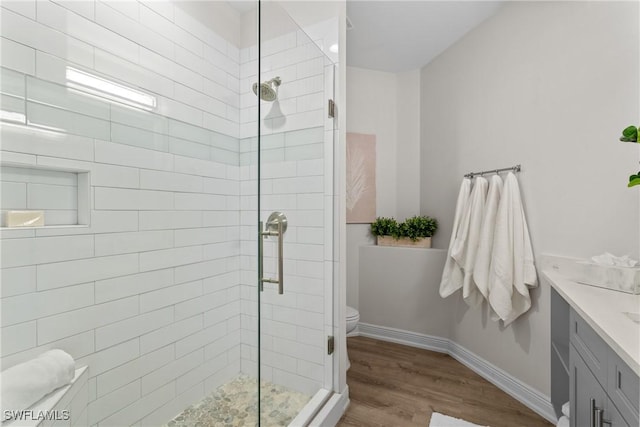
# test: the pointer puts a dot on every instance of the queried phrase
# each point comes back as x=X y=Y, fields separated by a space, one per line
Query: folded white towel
x=452 y=276
x=512 y=270
x=563 y=422
x=565 y=410
x=26 y=383
x=485 y=247
x=465 y=247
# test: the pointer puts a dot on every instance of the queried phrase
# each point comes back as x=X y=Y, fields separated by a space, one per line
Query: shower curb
x=527 y=395
x=332 y=411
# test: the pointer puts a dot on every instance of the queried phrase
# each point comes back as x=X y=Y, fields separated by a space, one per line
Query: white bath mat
x=439 y=420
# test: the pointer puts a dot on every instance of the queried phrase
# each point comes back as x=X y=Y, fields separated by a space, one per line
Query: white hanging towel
x=485 y=247
x=512 y=270
x=452 y=276
x=465 y=247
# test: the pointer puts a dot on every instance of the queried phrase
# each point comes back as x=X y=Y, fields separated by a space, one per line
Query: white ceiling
x=242 y=6
x=399 y=36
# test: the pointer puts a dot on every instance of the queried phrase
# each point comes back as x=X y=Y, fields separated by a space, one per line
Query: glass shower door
x=294 y=233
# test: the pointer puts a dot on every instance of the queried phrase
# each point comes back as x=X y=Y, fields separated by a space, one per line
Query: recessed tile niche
x=63 y=195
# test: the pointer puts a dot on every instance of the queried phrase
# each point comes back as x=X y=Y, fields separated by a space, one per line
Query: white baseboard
x=520 y=391
x=332 y=411
x=399 y=336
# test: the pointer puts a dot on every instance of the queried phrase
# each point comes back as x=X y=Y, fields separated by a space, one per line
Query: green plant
x=630 y=134
x=385 y=227
x=418 y=226
x=413 y=228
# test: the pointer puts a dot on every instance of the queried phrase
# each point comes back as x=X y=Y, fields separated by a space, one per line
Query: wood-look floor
x=395 y=385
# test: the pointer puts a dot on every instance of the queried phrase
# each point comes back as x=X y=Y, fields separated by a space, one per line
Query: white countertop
x=603 y=309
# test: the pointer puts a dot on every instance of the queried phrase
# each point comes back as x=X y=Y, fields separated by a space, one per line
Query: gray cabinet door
x=584 y=387
x=592 y=348
x=623 y=388
x=613 y=416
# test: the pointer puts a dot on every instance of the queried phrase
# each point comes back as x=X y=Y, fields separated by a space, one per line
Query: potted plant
x=414 y=232
x=385 y=227
x=630 y=134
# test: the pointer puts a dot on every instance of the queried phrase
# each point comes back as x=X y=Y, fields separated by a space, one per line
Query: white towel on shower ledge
x=465 y=247
x=485 y=247
x=452 y=276
x=26 y=383
x=512 y=270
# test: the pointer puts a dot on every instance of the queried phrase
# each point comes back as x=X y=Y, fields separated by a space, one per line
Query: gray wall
x=549 y=85
x=399 y=289
x=388 y=106
x=357 y=236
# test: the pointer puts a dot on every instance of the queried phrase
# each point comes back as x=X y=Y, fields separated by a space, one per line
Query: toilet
x=353 y=317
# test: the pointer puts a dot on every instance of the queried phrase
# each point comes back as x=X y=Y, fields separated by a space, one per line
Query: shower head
x=268 y=89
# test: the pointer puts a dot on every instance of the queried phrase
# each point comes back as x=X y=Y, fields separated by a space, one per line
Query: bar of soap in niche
x=25 y=218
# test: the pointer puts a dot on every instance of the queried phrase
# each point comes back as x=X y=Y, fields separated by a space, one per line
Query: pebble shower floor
x=235 y=404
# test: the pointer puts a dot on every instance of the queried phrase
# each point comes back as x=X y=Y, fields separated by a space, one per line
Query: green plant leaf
x=630 y=132
x=384 y=227
x=634 y=182
x=413 y=228
x=418 y=226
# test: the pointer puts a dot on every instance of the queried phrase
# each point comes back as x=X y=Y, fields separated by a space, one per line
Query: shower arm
x=275 y=81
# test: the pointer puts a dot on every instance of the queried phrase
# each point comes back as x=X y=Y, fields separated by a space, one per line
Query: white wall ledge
x=58 y=400
x=404 y=247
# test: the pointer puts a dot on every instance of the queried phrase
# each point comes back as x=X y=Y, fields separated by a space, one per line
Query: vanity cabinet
x=602 y=388
x=590 y=404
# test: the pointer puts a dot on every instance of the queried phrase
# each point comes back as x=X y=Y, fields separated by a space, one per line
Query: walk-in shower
x=151 y=268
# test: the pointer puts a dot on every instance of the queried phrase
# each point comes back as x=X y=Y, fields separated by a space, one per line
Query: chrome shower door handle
x=280 y=258
x=260 y=256
x=276 y=226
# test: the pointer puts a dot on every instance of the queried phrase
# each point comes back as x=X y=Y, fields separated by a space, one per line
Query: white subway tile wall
x=158 y=294
x=142 y=292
